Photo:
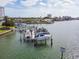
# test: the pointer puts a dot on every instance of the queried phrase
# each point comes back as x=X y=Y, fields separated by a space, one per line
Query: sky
x=37 y=8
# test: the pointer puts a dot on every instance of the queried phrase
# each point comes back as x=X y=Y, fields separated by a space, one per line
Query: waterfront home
x=47 y=19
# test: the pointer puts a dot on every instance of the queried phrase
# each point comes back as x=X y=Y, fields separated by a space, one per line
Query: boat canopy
x=41 y=34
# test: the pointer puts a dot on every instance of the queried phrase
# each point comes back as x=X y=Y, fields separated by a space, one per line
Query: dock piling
x=62 y=51
x=35 y=43
x=45 y=42
x=51 y=41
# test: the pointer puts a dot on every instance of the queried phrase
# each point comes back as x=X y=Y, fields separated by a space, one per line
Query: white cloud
x=54 y=7
x=61 y=8
x=62 y=3
x=42 y=4
x=29 y=3
x=5 y=2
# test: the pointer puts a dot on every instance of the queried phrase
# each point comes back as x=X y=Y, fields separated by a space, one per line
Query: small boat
x=28 y=34
x=43 y=36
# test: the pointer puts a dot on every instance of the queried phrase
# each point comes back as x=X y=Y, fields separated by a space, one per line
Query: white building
x=2 y=12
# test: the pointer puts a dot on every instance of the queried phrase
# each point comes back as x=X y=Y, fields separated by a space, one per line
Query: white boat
x=43 y=36
x=28 y=34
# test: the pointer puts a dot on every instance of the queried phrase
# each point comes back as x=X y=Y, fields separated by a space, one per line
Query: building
x=48 y=18
x=2 y=12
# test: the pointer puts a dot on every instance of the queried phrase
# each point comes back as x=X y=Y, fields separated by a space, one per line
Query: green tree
x=8 y=22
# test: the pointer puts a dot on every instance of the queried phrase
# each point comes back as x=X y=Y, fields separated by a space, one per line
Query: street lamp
x=62 y=49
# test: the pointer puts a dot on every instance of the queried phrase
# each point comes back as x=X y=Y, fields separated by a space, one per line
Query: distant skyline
x=37 y=8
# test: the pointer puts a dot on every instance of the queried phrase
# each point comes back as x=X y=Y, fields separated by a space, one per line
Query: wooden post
x=35 y=43
x=61 y=55
x=24 y=37
x=45 y=42
x=20 y=37
x=62 y=51
x=51 y=41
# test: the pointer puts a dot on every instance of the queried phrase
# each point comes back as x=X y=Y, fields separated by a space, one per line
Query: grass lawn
x=2 y=31
x=2 y=26
x=8 y=26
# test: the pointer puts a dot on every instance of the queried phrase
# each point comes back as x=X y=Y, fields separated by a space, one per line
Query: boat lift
x=37 y=35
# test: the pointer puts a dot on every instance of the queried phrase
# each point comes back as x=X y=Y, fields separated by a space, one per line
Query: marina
x=39 y=29
x=64 y=34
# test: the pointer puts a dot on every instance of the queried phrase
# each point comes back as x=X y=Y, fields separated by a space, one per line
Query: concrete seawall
x=5 y=32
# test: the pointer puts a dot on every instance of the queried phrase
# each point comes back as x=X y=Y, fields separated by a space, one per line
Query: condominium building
x=2 y=12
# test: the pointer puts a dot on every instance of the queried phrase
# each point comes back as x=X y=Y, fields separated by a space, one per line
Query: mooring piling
x=62 y=51
x=51 y=41
x=45 y=42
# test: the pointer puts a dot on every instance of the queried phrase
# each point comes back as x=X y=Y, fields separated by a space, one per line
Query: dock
x=37 y=36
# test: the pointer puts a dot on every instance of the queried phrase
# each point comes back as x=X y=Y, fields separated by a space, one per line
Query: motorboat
x=43 y=36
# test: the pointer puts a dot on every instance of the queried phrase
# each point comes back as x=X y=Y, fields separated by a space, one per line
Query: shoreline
x=5 y=32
